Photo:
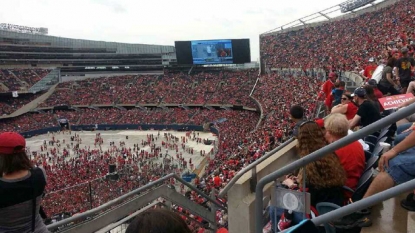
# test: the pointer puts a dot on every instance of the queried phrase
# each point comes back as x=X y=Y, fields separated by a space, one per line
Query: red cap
x=320 y=122
x=9 y=141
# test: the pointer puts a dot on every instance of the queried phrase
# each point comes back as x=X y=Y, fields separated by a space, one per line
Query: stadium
x=123 y=130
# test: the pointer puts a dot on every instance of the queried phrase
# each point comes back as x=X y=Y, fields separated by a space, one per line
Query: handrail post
x=213 y=209
x=90 y=194
x=253 y=180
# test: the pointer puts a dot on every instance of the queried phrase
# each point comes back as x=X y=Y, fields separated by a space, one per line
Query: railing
x=393 y=118
x=252 y=167
x=124 y=197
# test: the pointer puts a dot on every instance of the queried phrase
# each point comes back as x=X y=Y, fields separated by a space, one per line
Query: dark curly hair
x=326 y=172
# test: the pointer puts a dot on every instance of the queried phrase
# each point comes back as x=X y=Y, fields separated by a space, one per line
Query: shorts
x=401 y=168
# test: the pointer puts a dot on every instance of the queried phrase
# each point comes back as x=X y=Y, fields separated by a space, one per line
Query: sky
x=159 y=21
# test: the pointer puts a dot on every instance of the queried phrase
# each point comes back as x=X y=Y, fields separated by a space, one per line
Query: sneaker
x=284 y=222
x=352 y=221
x=409 y=202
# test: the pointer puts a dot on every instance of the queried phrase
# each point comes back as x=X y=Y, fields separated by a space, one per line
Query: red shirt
x=352 y=158
x=216 y=180
x=369 y=71
x=351 y=111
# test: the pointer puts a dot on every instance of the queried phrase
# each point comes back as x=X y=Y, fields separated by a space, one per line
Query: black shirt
x=368 y=113
x=404 y=67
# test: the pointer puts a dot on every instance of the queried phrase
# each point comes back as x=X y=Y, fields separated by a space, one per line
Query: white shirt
x=365 y=146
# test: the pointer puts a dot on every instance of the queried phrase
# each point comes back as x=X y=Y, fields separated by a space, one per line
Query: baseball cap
x=9 y=141
x=371 y=59
x=404 y=50
x=332 y=75
x=359 y=92
x=372 y=83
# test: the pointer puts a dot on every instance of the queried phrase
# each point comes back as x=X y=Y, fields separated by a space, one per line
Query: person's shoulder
x=42 y=170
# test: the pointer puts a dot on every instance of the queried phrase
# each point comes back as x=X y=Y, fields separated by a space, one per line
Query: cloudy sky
x=159 y=21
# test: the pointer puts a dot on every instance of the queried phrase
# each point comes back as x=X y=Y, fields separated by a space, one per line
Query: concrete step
x=388 y=217
x=411 y=222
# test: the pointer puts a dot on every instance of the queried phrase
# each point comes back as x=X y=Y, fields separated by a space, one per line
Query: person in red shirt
x=376 y=91
x=370 y=68
x=216 y=181
x=326 y=89
x=352 y=156
x=346 y=107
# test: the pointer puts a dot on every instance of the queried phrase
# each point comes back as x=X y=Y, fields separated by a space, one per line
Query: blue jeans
x=401 y=168
x=401 y=136
x=276 y=213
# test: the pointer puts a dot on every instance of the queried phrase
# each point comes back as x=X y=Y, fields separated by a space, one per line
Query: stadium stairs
x=119 y=211
x=389 y=216
x=32 y=105
x=3 y=87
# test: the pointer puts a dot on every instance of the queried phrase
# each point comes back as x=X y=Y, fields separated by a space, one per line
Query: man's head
x=296 y=113
x=359 y=95
x=372 y=83
x=336 y=126
x=332 y=76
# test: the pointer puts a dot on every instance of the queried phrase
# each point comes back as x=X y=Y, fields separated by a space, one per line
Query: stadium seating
x=340 y=45
x=237 y=131
x=226 y=88
x=21 y=79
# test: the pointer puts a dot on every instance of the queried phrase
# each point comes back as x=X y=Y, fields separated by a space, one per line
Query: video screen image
x=212 y=51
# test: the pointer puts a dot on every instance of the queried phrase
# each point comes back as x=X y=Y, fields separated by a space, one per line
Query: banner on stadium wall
x=391 y=102
x=15 y=94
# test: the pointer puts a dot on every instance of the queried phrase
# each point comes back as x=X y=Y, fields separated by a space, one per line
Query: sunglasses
x=344 y=98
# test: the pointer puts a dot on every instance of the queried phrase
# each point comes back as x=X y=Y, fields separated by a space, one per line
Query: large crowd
x=226 y=87
x=242 y=140
x=20 y=79
x=342 y=44
x=244 y=135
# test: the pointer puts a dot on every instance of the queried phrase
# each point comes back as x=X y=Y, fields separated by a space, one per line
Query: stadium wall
x=54 y=41
x=32 y=133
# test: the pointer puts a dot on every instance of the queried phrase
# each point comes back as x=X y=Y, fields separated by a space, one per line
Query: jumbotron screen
x=203 y=52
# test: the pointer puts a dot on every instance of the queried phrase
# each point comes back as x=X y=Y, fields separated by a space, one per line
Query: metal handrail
x=259 y=193
x=130 y=194
x=252 y=165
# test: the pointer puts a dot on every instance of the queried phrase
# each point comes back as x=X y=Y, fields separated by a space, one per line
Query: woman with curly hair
x=324 y=178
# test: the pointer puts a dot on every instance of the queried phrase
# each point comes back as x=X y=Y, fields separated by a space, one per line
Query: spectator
x=158 y=221
x=21 y=187
x=370 y=68
x=396 y=166
x=347 y=107
x=326 y=90
x=324 y=178
x=297 y=116
x=366 y=115
x=377 y=93
x=338 y=92
x=352 y=156
x=387 y=84
x=403 y=71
